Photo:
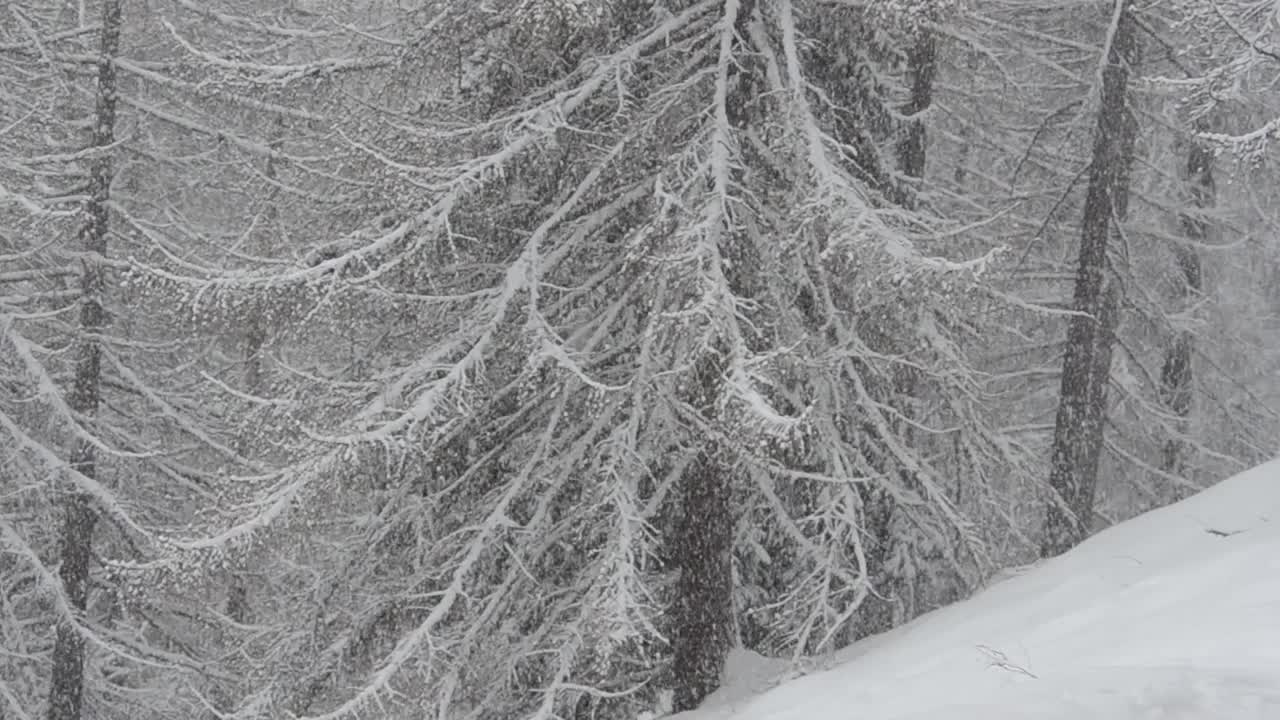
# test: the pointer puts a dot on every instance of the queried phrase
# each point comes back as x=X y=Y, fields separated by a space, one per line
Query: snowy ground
x=1173 y=615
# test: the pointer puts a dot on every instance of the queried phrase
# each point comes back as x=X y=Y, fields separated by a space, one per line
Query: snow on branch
x=276 y=74
x=411 y=643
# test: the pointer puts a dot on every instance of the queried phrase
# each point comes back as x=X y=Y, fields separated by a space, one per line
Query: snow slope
x=1172 y=615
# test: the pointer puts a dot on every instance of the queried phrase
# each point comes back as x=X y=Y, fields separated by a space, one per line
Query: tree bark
x=1086 y=367
x=66 y=688
x=1176 y=375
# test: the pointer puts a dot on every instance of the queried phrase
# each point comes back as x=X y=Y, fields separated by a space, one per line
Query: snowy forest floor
x=1172 y=615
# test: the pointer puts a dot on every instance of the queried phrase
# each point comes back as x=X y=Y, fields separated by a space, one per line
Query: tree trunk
x=703 y=621
x=892 y=604
x=922 y=66
x=237 y=607
x=66 y=688
x=255 y=339
x=960 y=174
x=703 y=632
x=1086 y=367
x=912 y=149
x=1176 y=374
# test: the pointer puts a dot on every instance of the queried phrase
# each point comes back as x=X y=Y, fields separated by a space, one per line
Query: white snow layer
x=1173 y=615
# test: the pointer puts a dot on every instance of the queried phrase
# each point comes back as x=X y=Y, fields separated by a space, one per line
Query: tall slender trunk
x=703 y=629
x=1176 y=374
x=703 y=612
x=894 y=601
x=922 y=67
x=238 y=608
x=912 y=150
x=1086 y=368
x=255 y=339
x=66 y=687
x=961 y=171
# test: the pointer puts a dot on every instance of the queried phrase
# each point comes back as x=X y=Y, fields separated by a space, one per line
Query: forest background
x=521 y=358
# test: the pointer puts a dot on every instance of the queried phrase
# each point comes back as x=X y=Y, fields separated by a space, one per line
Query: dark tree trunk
x=703 y=622
x=255 y=339
x=892 y=602
x=966 y=150
x=1176 y=374
x=237 y=607
x=922 y=66
x=66 y=687
x=1086 y=367
x=703 y=619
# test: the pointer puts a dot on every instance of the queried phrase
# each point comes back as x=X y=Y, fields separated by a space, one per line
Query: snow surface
x=1172 y=615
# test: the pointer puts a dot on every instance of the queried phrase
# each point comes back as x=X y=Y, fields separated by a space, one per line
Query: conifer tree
x=633 y=365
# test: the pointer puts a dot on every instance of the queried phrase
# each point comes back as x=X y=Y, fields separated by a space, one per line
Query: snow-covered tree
x=128 y=156
x=632 y=328
x=1026 y=150
x=521 y=358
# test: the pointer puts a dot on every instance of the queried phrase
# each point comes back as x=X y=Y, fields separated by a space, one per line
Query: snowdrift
x=1172 y=615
